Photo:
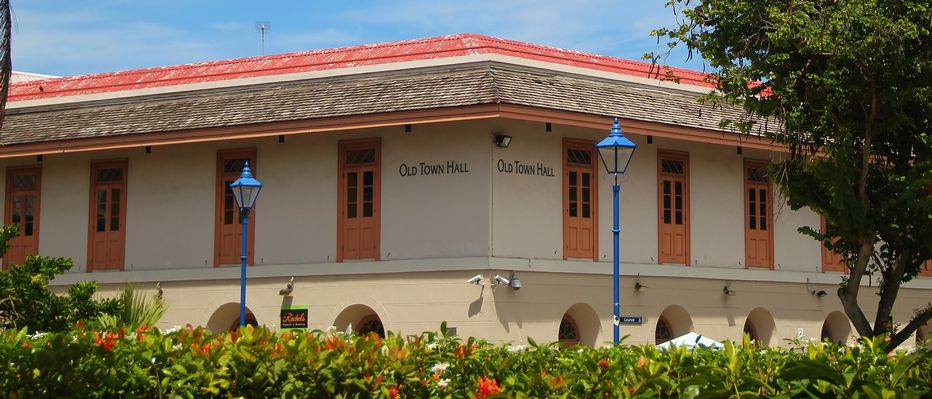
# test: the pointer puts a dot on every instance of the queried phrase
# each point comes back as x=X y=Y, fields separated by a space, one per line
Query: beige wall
x=503 y=314
x=438 y=230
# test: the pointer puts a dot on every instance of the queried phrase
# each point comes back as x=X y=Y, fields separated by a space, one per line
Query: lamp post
x=246 y=191
x=616 y=151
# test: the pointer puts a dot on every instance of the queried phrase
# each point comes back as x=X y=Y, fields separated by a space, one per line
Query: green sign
x=294 y=318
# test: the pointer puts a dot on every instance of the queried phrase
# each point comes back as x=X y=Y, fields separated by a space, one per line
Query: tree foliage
x=26 y=301
x=846 y=86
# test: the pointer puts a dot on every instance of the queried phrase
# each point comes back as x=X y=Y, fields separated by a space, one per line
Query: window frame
x=678 y=156
x=8 y=200
x=219 y=190
x=96 y=165
x=343 y=146
x=586 y=145
x=748 y=164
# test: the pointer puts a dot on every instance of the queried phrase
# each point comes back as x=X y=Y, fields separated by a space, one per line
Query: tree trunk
x=6 y=65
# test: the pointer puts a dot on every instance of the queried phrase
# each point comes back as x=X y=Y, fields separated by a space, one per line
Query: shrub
x=257 y=362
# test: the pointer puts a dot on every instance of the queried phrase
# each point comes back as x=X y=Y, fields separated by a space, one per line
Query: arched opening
x=580 y=325
x=663 y=332
x=836 y=328
x=760 y=326
x=673 y=322
x=226 y=318
x=569 y=333
x=371 y=324
x=361 y=319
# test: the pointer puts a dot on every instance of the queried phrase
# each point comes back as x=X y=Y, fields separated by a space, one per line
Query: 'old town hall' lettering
x=427 y=169
x=517 y=167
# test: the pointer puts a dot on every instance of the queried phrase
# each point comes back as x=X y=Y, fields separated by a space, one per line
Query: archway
x=673 y=322
x=760 y=326
x=226 y=318
x=362 y=319
x=836 y=328
x=579 y=325
x=569 y=332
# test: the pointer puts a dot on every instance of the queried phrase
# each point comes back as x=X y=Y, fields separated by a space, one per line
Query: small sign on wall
x=294 y=318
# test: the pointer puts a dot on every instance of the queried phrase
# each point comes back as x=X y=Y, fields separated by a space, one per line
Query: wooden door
x=579 y=201
x=758 y=221
x=228 y=236
x=831 y=261
x=673 y=217
x=108 y=215
x=359 y=190
x=23 y=186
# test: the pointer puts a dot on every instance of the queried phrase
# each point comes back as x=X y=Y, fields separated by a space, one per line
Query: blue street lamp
x=246 y=191
x=616 y=151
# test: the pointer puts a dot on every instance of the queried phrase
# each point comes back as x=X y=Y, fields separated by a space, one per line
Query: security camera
x=499 y=280
x=477 y=279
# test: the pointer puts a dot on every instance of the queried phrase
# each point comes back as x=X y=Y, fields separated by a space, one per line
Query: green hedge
x=258 y=363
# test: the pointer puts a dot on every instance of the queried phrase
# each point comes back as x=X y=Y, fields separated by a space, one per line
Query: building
x=387 y=188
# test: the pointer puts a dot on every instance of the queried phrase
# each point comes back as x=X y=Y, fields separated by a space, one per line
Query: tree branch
x=889 y=289
x=849 y=291
x=921 y=318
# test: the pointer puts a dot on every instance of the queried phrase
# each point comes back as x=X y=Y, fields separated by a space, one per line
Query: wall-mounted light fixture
x=502 y=141
x=148 y=149
x=727 y=290
x=408 y=128
x=740 y=150
x=650 y=139
x=281 y=138
x=515 y=282
x=637 y=284
x=819 y=293
x=38 y=158
x=548 y=127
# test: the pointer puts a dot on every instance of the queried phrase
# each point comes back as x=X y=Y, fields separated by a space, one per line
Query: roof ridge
x=422 y=49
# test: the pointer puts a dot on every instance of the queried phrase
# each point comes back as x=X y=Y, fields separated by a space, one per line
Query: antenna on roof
x=263 y=27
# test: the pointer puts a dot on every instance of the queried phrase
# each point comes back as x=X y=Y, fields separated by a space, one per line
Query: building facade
x=387 y=187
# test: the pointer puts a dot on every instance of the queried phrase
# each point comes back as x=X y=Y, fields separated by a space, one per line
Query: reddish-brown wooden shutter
x=228 y=226
x=673 y=207
x=107 y=230
x=23 y=192
x=831 y=261
x=580 y=205
x=758 y=218
x=359 y=200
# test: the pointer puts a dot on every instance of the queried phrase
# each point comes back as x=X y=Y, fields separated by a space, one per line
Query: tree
x=25 y=299
x=846 y=86
x=6 y=64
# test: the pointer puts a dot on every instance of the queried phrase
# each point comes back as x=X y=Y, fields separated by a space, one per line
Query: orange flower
x=394 y=391
x=603 y=364
x=486 y=386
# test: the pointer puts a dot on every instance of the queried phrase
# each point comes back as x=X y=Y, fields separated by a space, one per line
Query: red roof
x=342 y=57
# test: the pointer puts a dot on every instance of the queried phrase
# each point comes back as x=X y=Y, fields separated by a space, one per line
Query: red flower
x=603 y=364
x=486 y=386
x=331 y=343
x=394 y=391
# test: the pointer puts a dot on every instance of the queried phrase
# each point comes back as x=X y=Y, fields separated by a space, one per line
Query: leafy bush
x=135 y=311
x=25 y=298
x=256 y=362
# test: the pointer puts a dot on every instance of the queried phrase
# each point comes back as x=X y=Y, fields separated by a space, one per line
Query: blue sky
x=71 y=37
